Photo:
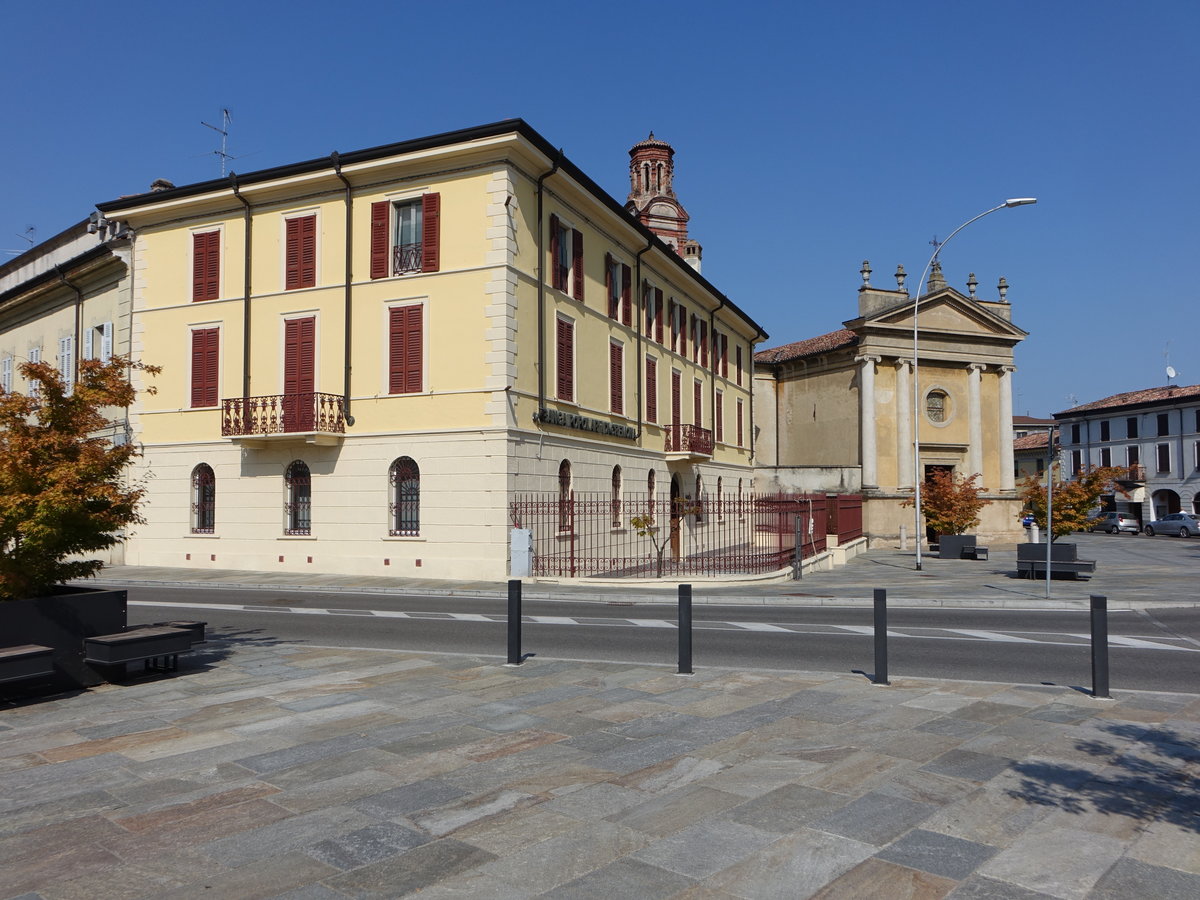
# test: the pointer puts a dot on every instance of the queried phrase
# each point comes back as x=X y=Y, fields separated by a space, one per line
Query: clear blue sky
x=808 y=136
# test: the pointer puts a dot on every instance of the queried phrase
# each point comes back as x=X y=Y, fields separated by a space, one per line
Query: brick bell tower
x=652 y=197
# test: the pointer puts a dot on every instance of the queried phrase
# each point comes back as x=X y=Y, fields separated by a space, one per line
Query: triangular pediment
x=946 y=313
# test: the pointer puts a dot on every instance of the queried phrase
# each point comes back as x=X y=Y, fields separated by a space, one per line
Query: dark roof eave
x=519 y=126
x=53 y=273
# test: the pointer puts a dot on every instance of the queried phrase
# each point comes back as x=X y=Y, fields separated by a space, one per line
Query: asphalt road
x=1157 y=649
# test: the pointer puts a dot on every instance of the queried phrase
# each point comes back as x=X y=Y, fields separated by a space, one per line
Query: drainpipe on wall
x=750 y=381
x=713 y=370
x=541 y=281
x=246 y=289
x=337 y=170
x=637 y=331
x=78 y=321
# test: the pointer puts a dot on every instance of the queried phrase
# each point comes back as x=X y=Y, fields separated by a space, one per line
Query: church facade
x=836 y=412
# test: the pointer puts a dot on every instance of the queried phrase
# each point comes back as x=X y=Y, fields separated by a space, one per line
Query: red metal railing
x=576 y=537
x=844 y=516
x=688 y=439
x=282 y=414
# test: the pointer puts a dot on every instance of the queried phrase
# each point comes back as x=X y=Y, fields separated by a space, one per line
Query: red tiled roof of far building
x=823 y=343
x=1170 y=393
x=1033 y=441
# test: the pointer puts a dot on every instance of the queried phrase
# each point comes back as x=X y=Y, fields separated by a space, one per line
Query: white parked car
x=1180 y=523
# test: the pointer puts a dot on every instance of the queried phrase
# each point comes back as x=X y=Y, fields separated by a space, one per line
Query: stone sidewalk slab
x=386 y=774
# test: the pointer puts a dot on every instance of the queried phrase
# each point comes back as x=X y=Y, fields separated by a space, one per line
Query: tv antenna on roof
x=29 y=234
x=223 y=131
x=1171 y=372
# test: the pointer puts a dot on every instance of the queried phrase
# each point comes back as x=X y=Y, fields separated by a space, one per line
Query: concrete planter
x=61 y=622
x=950 y=546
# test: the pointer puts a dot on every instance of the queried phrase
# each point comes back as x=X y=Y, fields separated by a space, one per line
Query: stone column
x=1008 y=478
x=904 y=438
x=975 y=425
x=866 y=399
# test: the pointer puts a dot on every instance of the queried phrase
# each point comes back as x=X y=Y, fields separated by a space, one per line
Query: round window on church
x=937 y=406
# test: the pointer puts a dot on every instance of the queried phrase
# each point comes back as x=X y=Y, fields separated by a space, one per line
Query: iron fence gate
x=643 y=536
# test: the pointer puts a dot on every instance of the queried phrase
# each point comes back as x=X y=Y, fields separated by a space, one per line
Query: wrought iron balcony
x=689 y=439
x=406 y=258
x=1137 y=472
x=309 y=415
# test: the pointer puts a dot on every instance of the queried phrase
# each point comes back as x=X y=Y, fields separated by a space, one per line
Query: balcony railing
x=1137 y=472
x=308 y=413
x=406 y=258
x=690 y=439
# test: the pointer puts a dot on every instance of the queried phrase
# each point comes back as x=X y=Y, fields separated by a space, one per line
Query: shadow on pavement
x=1148 y=780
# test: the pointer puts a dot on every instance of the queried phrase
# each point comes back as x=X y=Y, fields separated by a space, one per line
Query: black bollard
x=881 y=660
x=1100 y=646
x=685 y=629
x=514 y=622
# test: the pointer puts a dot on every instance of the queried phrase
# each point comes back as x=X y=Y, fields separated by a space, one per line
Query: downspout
x=541 y=281
x=78 y=322
x=758 y=335
x=637 y=331
x=249 y=244
x=337 y=170
x=714 y=369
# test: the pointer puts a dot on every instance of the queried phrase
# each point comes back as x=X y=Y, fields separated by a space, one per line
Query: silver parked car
x=1113 y=523
x=1180 y=523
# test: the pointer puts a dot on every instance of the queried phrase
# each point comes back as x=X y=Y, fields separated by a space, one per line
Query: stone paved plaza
x=266 y=769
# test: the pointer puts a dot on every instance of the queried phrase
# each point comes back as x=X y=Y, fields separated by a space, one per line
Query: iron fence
x=643 y=536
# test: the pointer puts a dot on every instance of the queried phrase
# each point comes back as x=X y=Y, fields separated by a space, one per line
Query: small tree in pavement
x=63 y=489
x=950 y=503
x=1074 y=500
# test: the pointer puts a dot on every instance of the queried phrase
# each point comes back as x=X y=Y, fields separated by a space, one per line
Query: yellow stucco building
x=366 y=356
x=836 y=411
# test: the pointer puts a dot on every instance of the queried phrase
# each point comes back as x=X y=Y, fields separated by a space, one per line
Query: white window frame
x=6 y=373
x=1158 y=453
x=66 y=361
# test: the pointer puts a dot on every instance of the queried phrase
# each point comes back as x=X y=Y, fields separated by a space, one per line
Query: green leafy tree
x=950 y=503
x=1074 y=500
x=63 y=488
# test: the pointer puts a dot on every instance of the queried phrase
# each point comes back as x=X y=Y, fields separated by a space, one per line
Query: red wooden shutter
x=718 y=417
x=704 y=343
x=739 y=423
x=724 y=356
x=577 y=266
x=651 y=390
x=738 y=362
x=205 y=354
x=676 y=396
x=431 y=232
x=299 y=367
x=566 y=360
x=554 y=279
x=609 y=294
x=674 y=328
x=697 y=403
x=206 y=265
x=626 y=295
x=405 y=357
x=658 y=314
x=616 y=377
x=380 y=245
x=301 y=256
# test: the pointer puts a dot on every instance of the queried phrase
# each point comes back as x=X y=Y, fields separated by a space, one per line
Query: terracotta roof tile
x=823 y=343
x=1030 y=441
x=1134 y=398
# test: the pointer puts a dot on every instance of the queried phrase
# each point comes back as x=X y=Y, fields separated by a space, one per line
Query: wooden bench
x=26 y=661
x=157 y=646
x=1064 y=560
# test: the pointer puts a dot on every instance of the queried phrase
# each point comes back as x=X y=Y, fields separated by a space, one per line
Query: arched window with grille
x=297 y=509
x=204 y=499
x=564 y=495
x=405 y=506
x=616 y=497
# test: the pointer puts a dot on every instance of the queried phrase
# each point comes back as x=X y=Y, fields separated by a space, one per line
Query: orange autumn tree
x=1074 y=500
x=63 y=489
x=950 y=503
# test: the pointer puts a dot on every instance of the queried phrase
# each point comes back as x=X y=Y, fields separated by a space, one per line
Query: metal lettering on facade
x=583 y=423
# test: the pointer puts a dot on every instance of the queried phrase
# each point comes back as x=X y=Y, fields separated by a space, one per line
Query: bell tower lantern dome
x=652 y=197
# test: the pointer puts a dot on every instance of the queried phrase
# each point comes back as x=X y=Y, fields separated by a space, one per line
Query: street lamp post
x=916 y=410
x=1049 y=501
